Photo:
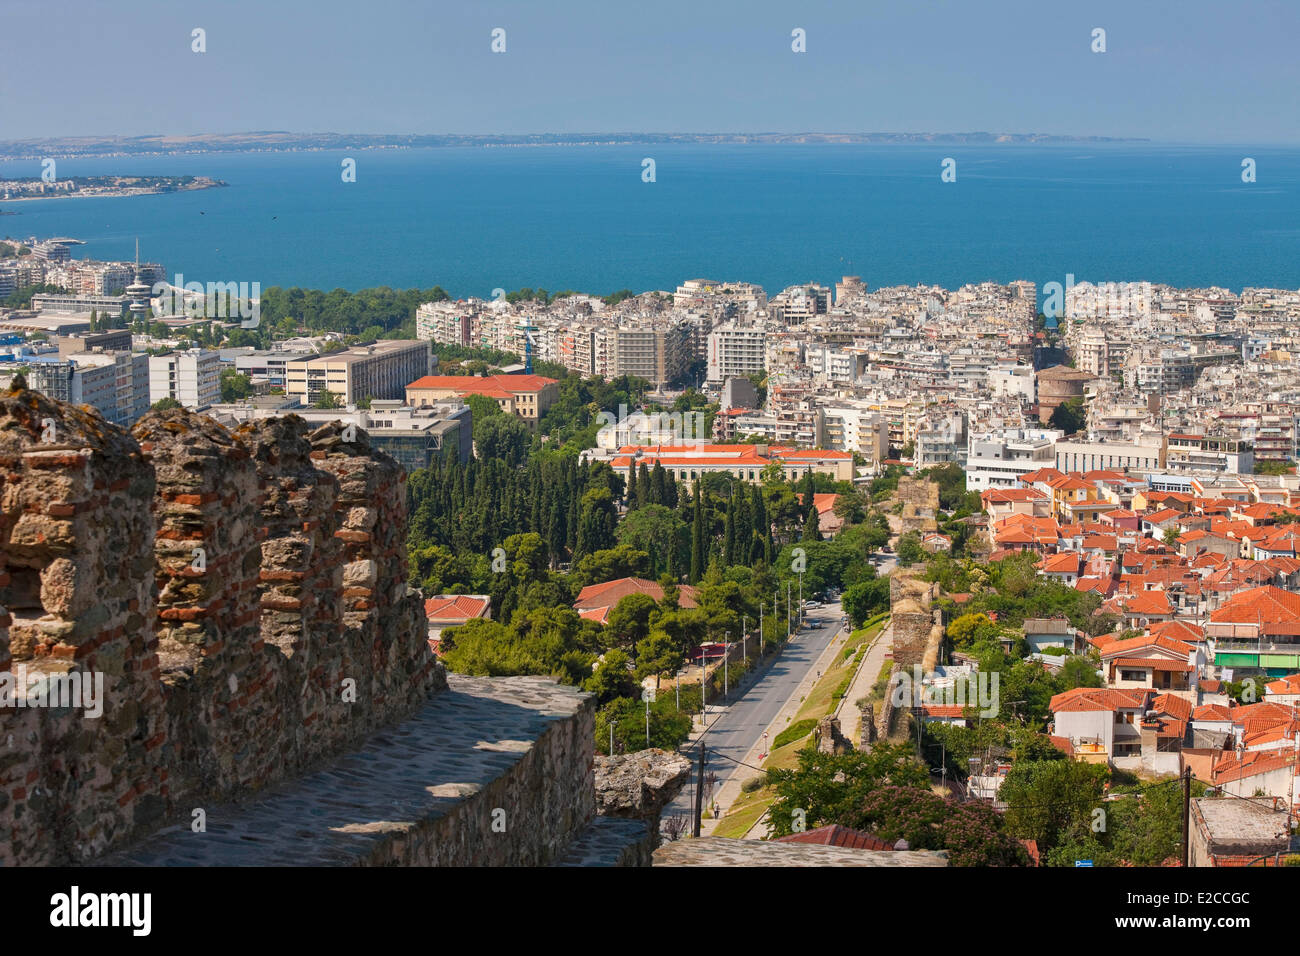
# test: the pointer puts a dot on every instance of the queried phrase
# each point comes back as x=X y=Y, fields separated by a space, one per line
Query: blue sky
x=1187 y=71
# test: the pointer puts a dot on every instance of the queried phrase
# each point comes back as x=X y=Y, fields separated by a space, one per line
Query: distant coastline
x=101 y=187
x=279 y=141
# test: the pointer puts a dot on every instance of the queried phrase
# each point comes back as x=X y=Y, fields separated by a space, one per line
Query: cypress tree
x=729 y=533
x=811 y=527
x=697 y=537
x=643 y=487
x=631 y=486
x=658 y=491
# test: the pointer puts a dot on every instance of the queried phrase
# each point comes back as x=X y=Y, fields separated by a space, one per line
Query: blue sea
x=474 y=219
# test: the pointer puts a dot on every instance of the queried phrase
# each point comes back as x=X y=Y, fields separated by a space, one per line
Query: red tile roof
x=609 y=593
x=1251 y=763
x=1098 y=699
x=455 y=607
x=495 y=386
x=1269 y=605
x=836 y=835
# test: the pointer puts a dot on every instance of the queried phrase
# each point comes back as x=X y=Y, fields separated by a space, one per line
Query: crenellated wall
x=243 y=596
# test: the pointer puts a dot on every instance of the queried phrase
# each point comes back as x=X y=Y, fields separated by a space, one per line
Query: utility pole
x=699 y=792
x=726 y=657
x=1187 y=812
x=704 y=683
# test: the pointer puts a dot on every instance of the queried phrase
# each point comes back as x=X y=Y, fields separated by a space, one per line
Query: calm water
x=471 y=220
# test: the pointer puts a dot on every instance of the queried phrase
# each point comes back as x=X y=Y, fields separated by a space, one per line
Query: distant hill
x=279 y=141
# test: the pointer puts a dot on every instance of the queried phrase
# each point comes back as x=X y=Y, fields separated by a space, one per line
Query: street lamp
x=726 y=656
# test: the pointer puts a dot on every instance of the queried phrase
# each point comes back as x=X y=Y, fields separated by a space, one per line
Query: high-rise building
x=192 y=377
x=735 y=351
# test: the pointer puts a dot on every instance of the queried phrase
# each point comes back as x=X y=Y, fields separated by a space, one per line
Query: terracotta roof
x=609 y=593
x=1098 y=699
x=1177 y=648
x=1182 y=631
x=1153 y=663
x=836 y=835
x=1064 y=562
x=1149 y=602
x=1004 y=495
x=1212 y=712
x=497 y=386
x=1251 y=763
x=1269 y=605
x=824 y=502
x=1290 y=684
x=941 y=710
x=1180 y=708
x=456 y=607
x=1063 y=744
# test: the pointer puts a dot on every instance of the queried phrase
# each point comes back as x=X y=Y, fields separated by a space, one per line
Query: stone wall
x=242 y=595
x=920 y=499
x=910 y=598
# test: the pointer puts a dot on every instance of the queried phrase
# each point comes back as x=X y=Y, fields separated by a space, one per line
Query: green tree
x=659 y=655
x=235 y=386
x=668 y=726
x=909 y=549
x=698 y=544
x=328 y=399
x=503 y=438
x=830 y=787
x=965 y=630
x=612 y=678
x=628 y=622
x=866 y=599
x=1069 y=416
x=1048 y=799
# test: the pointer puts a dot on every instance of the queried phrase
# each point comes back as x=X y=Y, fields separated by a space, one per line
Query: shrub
x=796 y=731
x=843 y=688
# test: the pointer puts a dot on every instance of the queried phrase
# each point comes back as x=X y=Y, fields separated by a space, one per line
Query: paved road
x=885 y=563
x=736 y=728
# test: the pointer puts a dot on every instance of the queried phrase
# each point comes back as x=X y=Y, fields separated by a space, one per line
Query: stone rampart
x=242 y=596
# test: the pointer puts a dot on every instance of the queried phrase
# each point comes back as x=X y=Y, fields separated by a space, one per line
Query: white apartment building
x=837 y=365
x=1014 y=381
x=192 y=377
x=998 y=459
x=1084 y=456
x=941 y=438
x=1201 y=453
x=736 y=351
x=1092 y=354
x=852 y=429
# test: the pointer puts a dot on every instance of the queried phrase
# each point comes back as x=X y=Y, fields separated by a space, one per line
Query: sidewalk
x=849 y=715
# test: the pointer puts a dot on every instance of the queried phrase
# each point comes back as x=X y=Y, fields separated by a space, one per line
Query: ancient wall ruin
x=920 y=500
x=243 y=596
x=911 y=616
